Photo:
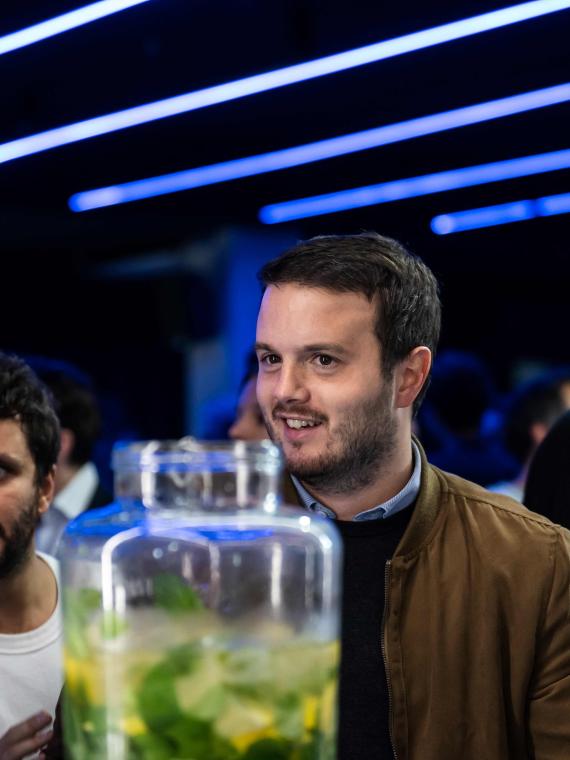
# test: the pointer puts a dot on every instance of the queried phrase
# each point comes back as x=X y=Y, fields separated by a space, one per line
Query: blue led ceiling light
x=413 y=187
x=504 y=213
x=63 y=23
x=317 y=151
x=271 y=80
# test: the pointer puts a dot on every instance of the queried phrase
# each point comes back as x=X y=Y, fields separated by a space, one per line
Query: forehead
x=13 y=441
x=304 y=315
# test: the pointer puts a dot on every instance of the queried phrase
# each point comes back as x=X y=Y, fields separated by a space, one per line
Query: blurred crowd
x=515 y=443
x=511 y=442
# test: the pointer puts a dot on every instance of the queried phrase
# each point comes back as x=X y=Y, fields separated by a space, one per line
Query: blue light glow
x=317 y=151
x=551 y=205
x=504 y=213
x=63 y=23
x=413 y=187
x=271 y=80
x=488 y=216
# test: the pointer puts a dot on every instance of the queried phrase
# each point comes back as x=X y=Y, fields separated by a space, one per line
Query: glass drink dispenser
x=201 y=621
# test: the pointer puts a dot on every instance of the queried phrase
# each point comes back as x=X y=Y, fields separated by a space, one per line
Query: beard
x=18 y=542
x=364 y=444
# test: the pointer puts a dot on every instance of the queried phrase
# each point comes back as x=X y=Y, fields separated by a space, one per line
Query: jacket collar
x=424 y=515
x=426 y=511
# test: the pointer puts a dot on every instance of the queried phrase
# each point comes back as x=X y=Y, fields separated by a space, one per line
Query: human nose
x=239 y=430
x=291 y=386
x=235 y=431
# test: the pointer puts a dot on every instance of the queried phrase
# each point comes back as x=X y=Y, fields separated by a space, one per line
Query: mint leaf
x=151 y=746
x=175 y=596
x=157 y=701
x=270 y=749
x=157 y=697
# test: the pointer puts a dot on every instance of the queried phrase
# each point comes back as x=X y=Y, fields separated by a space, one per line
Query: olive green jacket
x=476 y=629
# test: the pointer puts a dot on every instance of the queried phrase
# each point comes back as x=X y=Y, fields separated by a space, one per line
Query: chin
x=302 y=465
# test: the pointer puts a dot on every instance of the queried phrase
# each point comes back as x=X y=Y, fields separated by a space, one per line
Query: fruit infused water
x=172 y=683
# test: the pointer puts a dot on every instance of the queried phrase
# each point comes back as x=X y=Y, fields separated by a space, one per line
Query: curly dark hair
x=25 y=399
x=409 y=309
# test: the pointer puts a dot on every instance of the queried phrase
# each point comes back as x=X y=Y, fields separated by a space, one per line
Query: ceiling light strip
x=271 y=80
x=503 y=213
x=317 y=151
x=414 y=187
x=63 y=23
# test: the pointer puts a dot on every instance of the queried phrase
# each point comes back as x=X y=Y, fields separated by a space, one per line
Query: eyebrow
x=6 y=460
x=335 y=348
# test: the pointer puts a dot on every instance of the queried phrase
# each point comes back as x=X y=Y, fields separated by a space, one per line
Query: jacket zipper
x=384 y=657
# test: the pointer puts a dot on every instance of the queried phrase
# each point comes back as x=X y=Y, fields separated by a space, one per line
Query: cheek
x=342 y=405
x=12 y=502
x=333 y=401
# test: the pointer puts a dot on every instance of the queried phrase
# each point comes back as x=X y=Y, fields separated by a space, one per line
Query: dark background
x=504 y=289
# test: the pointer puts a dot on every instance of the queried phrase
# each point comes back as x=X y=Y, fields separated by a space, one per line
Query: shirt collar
x=399 y=501
x=74 y=498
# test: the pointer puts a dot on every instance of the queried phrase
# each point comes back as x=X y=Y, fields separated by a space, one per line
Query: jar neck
x=216 y=492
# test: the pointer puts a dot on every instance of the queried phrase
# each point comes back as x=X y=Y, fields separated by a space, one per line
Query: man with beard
x=30 y=619
x=455 y=609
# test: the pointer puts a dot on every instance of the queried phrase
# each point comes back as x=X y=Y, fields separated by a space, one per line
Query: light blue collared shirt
x=400 y=501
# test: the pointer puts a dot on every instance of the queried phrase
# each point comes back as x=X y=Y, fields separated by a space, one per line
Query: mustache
x=302 y=411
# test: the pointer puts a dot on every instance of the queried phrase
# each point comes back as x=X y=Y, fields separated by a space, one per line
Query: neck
x=393 y=476
x=28 y=597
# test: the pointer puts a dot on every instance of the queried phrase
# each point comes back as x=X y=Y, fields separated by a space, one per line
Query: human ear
x=67 y=443
x=411 y=374
x=46 y=491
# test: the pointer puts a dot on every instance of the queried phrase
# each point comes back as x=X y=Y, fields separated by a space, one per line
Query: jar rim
x=192 y=454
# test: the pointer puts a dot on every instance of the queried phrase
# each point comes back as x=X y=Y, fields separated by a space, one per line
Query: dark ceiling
x=166 y=47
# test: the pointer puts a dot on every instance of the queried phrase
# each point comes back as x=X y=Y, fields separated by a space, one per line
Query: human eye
x=325 y=361
x=269 y=360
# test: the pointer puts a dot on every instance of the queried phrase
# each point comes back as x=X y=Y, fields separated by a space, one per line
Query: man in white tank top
x=30 y=619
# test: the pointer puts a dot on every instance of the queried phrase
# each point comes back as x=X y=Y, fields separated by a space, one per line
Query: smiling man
x=30 y=621
x=456 y=619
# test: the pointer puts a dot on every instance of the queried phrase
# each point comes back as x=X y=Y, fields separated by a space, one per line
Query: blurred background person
x=248 y=424
x=547 y=489
x=77 y=483
x=450 y=425
x=530 y=412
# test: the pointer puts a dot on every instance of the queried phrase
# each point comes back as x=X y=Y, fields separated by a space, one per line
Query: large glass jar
x=206 y=626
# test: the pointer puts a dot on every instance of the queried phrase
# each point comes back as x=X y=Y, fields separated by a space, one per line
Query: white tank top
x=31 y=666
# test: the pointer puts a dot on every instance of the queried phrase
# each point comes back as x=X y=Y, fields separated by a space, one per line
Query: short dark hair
x=537 y=400
x=409 y=309
x=75 y=404
x=25 y=399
